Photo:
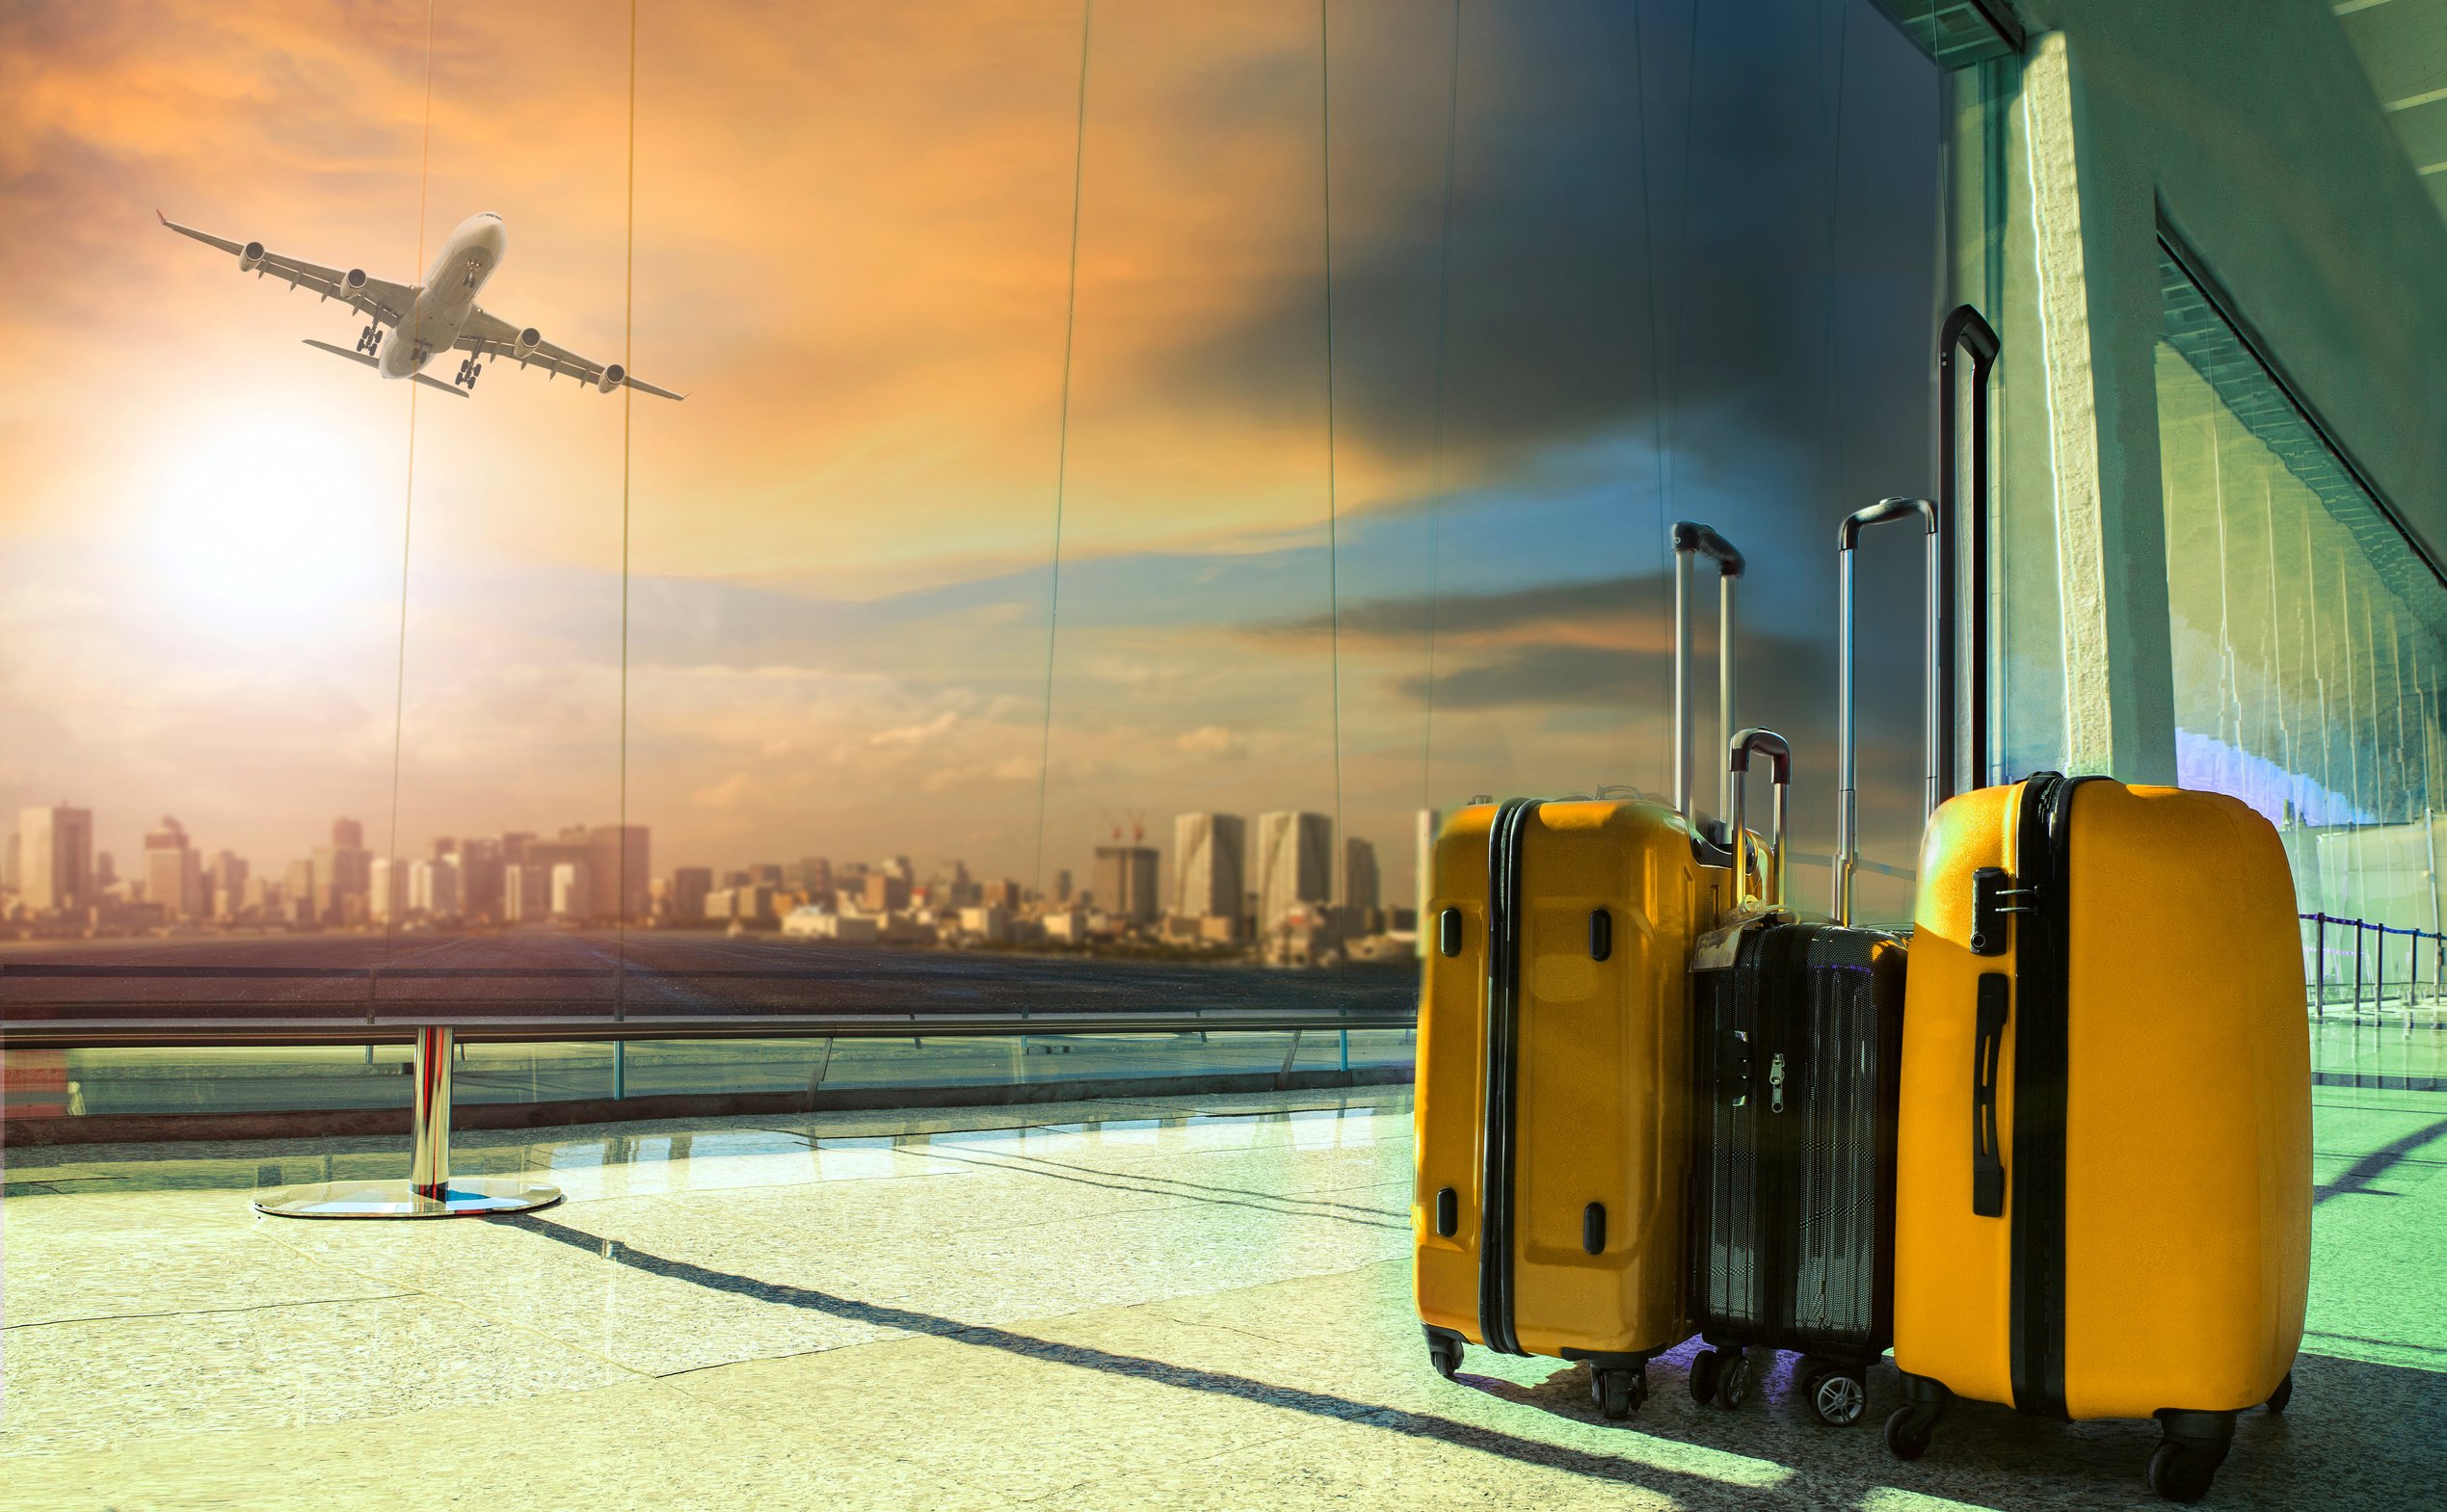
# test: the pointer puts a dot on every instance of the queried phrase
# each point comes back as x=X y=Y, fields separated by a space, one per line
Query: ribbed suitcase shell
x=1599 y=1064
x=2172 y=1274
x=1794 y=1161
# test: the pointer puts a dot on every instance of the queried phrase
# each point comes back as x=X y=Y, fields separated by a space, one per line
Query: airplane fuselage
x=447 y=297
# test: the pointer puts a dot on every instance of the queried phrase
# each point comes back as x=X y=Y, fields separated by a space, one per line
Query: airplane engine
x=611 y=377
x=526 y=341
x=353 y=282
x=249 y=257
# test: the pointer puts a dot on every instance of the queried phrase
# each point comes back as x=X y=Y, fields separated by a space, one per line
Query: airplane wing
x=379 y=298
x=489 y=334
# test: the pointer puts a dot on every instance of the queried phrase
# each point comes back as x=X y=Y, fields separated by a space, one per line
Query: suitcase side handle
x=1779 y=753
x=1692 y=539
x=1848 y=538
x=1987 y=1155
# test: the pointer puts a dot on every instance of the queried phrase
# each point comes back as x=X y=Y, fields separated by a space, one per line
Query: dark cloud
x=1637 y=220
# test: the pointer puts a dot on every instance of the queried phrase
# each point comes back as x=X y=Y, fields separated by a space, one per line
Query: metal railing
x=2347 y=962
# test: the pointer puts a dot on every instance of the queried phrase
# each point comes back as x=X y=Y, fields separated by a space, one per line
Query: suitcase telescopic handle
x=1779 y=753
x=1694 y=539
x=1848 y=538
x=1962 y=458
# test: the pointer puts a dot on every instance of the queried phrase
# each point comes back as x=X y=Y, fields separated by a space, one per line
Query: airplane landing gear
x=369 y=338
x=468 y=373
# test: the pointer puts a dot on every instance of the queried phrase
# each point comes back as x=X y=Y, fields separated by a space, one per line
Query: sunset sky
x=852 y=246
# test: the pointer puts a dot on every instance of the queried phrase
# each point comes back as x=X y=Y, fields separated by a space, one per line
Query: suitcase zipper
x=1503 y=1041
x=2039 y=1024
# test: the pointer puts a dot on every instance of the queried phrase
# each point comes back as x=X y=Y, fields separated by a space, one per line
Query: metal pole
x=2358 y=971
x=429 y=1159
x=429 y=1192
x=1346 y=1049
x=620 y=1069
x=2320 y=953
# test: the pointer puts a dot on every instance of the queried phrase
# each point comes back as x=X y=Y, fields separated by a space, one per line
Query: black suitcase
x=1796 y=1050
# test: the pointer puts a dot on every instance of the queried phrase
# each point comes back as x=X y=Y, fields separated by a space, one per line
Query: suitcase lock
x=1994 y=896
x=1775 y=1085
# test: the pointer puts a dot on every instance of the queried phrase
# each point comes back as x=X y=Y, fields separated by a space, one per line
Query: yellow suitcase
x=1553 y=1131
x=1552 y=1121
x=2103 y=1203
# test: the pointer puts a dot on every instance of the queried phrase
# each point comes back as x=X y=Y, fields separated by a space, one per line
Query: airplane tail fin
x=362 y=360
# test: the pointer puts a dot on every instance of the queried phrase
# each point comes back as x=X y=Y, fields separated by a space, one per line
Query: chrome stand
x=430 y=1191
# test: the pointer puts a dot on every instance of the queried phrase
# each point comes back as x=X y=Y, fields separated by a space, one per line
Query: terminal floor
x=1190 y=1303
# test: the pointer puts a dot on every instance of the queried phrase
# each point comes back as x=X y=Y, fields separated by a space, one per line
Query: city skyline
x=519 y=876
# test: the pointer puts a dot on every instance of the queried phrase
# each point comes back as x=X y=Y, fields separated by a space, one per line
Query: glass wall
x=1135 y=461
x=2307 y=634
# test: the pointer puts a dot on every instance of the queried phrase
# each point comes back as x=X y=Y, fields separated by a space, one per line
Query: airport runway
x=653 y=973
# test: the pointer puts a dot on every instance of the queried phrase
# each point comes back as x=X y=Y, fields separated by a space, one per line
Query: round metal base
x=467 y=1196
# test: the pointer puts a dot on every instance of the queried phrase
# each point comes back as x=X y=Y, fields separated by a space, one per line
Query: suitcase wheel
x=1736 y=1374
x=1704 y=1367
x=2190 y=1446
x=1443 y=1352
x=1617 y=1393
x=1908 y=1432
x=2284 y=1395
x=2182 y=1472
x=1837 y=1394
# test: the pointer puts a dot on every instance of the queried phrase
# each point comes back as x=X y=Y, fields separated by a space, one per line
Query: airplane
x=437 y=315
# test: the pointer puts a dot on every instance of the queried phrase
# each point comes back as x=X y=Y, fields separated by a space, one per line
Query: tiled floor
x=1188 y=1303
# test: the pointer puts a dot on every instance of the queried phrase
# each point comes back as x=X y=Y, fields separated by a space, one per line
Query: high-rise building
x=480 y=867
x=526 y=894
x=1126 y=879
x=690 y=886
x=342 y=876
x=347 y=834
x=433 y=888
x=296 y=894
x=1423 y=877
x=815 y=876
x=8 y=864
x=1295 y=864
x=572 y=890
x=1062 y=886
x=1209 y=861
x=1361 y=891
x=883 y=892
x=55 y=857
x=618 y=862
x=225 y=885
x=105 y=869
x=174 y=874
x=386 y=889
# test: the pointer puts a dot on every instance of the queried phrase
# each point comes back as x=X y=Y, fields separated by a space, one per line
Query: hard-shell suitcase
x=2103 y=1203
x=1552 y=1138
x=1795 y=1045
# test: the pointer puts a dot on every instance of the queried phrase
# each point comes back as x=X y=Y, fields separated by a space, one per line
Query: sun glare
x=269 y=521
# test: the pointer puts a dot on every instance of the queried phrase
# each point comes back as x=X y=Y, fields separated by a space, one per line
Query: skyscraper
x=386 y=889
x=621 y=885
x=572 y=890
x=347 y=834
x=174 y=874
x=55 y=857
x=1209 y=861
x=433 y=888
x=1126 y=879
x=690 y=886
x=1295 y=864
x=1361 y=892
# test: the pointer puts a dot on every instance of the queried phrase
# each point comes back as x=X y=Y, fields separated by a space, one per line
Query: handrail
x=400 y=1028
x=2373 y=988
